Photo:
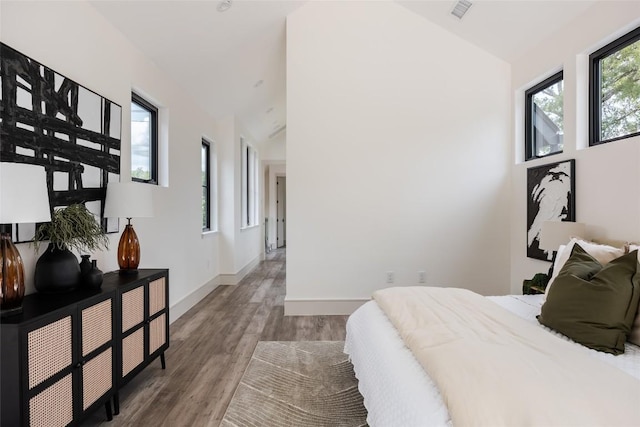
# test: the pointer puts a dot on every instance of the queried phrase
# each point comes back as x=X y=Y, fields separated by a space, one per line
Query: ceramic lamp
x=128 y=200
x=556 y=233
x=24 y=198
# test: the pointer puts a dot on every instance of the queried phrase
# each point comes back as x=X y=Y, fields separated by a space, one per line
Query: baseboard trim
x=321 y=307
x=187 y=303
x=234 y=279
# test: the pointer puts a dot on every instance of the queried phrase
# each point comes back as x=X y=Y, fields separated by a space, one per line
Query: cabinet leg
x=162 y=361
x=107 y=407
x=116 y=403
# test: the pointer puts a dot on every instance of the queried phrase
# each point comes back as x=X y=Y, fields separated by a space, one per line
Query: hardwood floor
x=210 y=347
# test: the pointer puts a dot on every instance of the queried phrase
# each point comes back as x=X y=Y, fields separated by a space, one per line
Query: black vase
x=57 y=270
x=85 y=265
x=93 y=278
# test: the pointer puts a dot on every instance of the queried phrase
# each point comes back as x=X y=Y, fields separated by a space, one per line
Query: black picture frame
x=73 y=132
x=550 y=197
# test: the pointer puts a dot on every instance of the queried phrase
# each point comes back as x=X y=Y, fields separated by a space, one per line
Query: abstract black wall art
x=550 y=197
x=50 y=120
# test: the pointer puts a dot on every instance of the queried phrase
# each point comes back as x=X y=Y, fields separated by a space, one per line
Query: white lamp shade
x=23 y=194
x=128 y=200
x=556 y=233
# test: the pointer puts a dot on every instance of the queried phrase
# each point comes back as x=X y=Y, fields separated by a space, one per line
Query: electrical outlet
x=390 y=276
x=422 y=277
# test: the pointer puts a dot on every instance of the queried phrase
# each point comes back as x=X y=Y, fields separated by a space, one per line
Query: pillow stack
x=594 y=299
x=604 y=254
x=634 y=337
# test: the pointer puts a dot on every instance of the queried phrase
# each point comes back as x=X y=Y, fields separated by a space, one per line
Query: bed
x=398 y=391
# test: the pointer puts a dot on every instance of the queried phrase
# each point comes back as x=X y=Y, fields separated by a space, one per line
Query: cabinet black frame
x=127 y=283
x=40 y=310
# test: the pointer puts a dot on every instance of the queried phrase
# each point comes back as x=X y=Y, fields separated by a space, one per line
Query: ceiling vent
x=461 y=8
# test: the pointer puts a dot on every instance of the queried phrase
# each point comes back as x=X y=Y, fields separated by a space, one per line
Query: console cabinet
x=58 y=359
x=66 y=355
x=143 y=325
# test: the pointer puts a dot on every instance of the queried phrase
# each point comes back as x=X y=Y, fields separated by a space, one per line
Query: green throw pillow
x=592 y=304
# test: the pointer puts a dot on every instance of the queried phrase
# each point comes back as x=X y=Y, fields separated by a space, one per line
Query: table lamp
x=556 y=233
x=128 y=200
x=24 y=198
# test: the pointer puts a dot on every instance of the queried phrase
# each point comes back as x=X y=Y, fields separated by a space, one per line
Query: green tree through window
x=614 y=90
x=620 y=93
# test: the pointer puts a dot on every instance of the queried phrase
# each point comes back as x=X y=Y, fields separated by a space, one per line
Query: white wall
x=73 y=39
x=398 y=156
x=240 y=248
x=607 y=176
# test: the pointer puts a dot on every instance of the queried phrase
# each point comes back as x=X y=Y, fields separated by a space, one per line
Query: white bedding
x=397 y=391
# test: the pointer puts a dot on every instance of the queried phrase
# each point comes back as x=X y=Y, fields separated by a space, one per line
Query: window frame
x=249 y=186
x=529 y=149
x=206 y=148
x=153 y=155
x=595 y=111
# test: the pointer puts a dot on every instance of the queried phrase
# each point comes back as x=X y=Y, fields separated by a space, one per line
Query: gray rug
x=308 y=383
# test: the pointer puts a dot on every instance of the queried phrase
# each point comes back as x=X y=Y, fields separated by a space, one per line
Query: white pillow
x=604 y=254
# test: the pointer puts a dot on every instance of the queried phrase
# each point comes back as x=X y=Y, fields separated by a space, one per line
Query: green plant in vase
x=71 y=228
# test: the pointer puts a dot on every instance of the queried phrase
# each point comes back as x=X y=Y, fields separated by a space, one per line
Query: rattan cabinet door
x=157 y=296
x=144 y=323
x=97 y=337
x=49 y=352
x=157 y=314
x=157 y=333
x=132 y=308
x=132 y=319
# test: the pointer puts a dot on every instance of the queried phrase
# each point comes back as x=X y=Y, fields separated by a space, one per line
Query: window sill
x=249 y=227
x=208 y=234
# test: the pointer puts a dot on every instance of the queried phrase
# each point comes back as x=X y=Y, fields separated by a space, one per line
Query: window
x=544 y=118
x=206 y=185
x=144 y=140
x=614 y=90
x=249 y=185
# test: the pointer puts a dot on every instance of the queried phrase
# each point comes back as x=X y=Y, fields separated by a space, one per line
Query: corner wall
x=397 y=157
x=607 y=176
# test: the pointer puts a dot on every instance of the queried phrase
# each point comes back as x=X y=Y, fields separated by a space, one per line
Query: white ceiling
x=219 y=58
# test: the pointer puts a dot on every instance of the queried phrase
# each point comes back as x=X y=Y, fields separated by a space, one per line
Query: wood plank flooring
x=210 y=347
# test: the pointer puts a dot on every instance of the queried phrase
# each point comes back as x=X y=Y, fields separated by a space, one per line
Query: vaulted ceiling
x=233 y=62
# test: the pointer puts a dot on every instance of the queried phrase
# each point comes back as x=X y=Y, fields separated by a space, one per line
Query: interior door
x=281 y=203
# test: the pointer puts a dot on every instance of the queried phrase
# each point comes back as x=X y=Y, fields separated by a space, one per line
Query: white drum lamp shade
x=23 y=194
x=128 y=200
x=24 y=198
x=556 y=233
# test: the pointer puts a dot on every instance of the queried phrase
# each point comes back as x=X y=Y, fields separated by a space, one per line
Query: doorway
x=281 y=211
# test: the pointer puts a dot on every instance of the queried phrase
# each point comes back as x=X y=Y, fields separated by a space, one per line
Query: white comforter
x=396 y=389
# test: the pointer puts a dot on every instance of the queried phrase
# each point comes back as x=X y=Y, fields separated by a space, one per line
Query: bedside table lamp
x=24 y=198
x=556 y=233
x=128 y=200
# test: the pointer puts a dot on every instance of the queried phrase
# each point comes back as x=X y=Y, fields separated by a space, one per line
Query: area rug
x=308 y=383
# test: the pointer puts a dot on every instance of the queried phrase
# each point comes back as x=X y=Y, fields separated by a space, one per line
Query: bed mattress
x=398 y=392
